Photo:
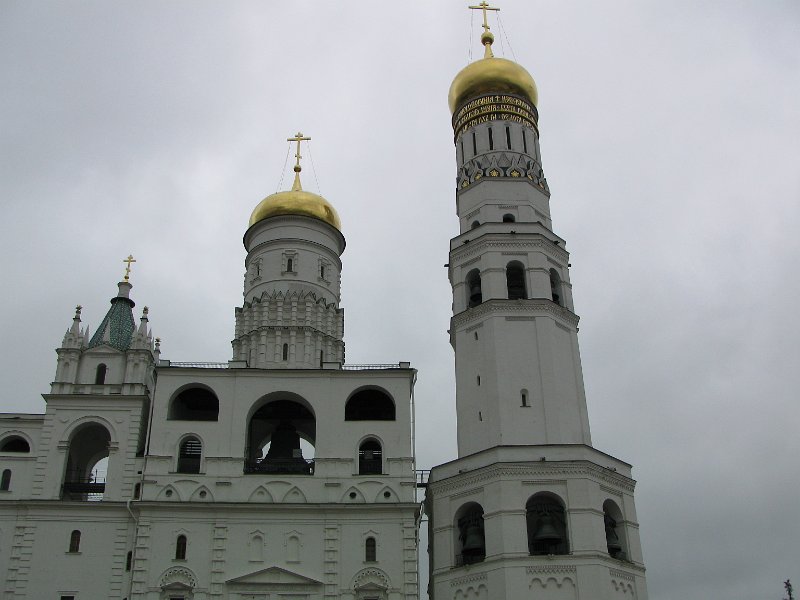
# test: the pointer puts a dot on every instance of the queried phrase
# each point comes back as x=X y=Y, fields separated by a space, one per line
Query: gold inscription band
x=497 y=107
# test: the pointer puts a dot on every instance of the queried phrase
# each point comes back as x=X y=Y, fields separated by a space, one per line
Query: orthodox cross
x=484 y=6
x=128 y=260
x=298 y=137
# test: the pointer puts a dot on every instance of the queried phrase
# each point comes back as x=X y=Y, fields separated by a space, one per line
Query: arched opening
x=515 y=281
x=289 y=265
x=470 y=542
x=509 y=218
x=189 y=455
x=74 y=541
x=285 y=352
x=180 y=548
x=87 y=463
x=275 y=436
x=370 y=458
x=547 y=525
x=370 y=550
x=15 y=443
x=475 y=224
x=195 y=403
x=615 y=530
x=5 y=480
x=555 y=288
x=474 y=293
x=100 y=374
x=369 y=405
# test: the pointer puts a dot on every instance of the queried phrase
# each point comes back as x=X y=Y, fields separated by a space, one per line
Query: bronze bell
x=473 y=539
x=547 y=532
x=475 y=295
x=612 y=539
x=285 y=440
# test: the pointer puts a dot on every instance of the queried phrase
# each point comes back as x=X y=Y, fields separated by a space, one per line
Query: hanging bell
x=547 y=532
x=473 y=540
x=612 y=539
x=475 y=294
x=285 y=441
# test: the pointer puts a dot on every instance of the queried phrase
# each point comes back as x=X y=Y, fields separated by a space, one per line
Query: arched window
x=75 y=541
x=555 y=287
x=189 y=455
x=369 y=405
x=547 y=525
x=276 y=436
x=87 y=463
x=100 y=374
x=509 y=218
x=289 y=265
x=515 y=281
x=470 y=543
x=474 y=293
x=370 y=458
x=5 y=480
x=180 y=548
x=615 y=530
x=286 y=352
x=194 y=404
x=475 y=224
x=370 y=551
x=15 y=443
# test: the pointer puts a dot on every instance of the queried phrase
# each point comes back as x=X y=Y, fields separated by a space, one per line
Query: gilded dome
x=491 y=75
x=296 y=202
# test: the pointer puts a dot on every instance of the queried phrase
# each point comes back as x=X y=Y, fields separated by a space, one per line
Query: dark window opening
x=474 y=293
x=615 y=535
x=369 y=405
x=524 y=142
x=461 y=142
x=555 y=287
x=515 y=281
x=128 y=561
x=524 y=396
x=475 y=224
x=321 y=359
x=322 y=271
x=547 y=525
x=370 y=458
x=195 y=404
x=474 y=145
x=189 y=455
x=274 y=439
x=180 y=548
x=509 y=218
x=100 y=374
x=491 y=139
x=286 y=352
x=370 y=551
x=15 y=444
x=471 y=542
x=289 y=265
x=75 y=541
x=5 y=480
x=508 y=138
x=137 y=491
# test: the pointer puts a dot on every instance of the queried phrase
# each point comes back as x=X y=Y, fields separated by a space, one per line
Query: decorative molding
x=178 y=575
x=468 y=579
x=371 y=576
x=505 y=164
x=539 y=306
x=479 y=246
x=621 y=575
x=551 y=570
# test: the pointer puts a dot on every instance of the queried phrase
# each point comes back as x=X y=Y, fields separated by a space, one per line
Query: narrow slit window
x=75 y=542
x=491 y=139
x=128 y=561
x=524 y=397
x=100 y=374
x=289 y=265
x=180 y=548
x=524 y=142
x=286 y=352
x=5 y=481
x=508 y=138
x=474 y=144
x=370 y=550
x=461 y=142
x=321 y=358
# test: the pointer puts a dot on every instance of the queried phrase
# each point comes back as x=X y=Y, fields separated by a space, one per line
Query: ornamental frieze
x=501 y=165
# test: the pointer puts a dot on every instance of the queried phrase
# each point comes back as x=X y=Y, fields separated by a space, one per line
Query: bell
x=285 y=441
x=547 y=532
x=612 y=539
x=475 y=295
x=473 y=540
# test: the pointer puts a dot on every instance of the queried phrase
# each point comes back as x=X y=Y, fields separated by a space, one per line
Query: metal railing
x=82 y=488
x=285 y=466
x=200 y=365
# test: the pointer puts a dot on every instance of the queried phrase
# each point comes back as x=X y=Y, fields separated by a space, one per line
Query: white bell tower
x=530 y=508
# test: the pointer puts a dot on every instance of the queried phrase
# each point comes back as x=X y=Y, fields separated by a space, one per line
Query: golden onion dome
x=296 y=202
x=491 y=75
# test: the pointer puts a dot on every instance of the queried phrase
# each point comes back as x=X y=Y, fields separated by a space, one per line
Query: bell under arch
x=281 y=435
x=470 y=538
x=547 y=525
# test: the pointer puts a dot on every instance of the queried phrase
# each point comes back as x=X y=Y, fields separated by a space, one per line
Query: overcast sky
x=670 y=136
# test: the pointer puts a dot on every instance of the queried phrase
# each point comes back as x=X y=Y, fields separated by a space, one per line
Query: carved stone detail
x=178 y=575
x=468 y=579
x=502 y=165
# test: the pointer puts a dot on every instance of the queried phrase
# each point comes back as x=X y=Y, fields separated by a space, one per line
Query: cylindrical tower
x=291 y=317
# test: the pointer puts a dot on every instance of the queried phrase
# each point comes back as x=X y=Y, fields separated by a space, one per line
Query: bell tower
x=529 y=508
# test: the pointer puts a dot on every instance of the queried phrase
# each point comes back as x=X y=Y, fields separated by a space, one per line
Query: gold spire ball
x=296 y=201
x=490 y=75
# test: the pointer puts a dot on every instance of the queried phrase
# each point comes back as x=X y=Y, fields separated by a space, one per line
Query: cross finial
x=487 y=38
x=128 y=262
x=298 y=137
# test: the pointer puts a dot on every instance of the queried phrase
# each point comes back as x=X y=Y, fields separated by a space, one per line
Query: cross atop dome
x=298 y=137
x=487 y=38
